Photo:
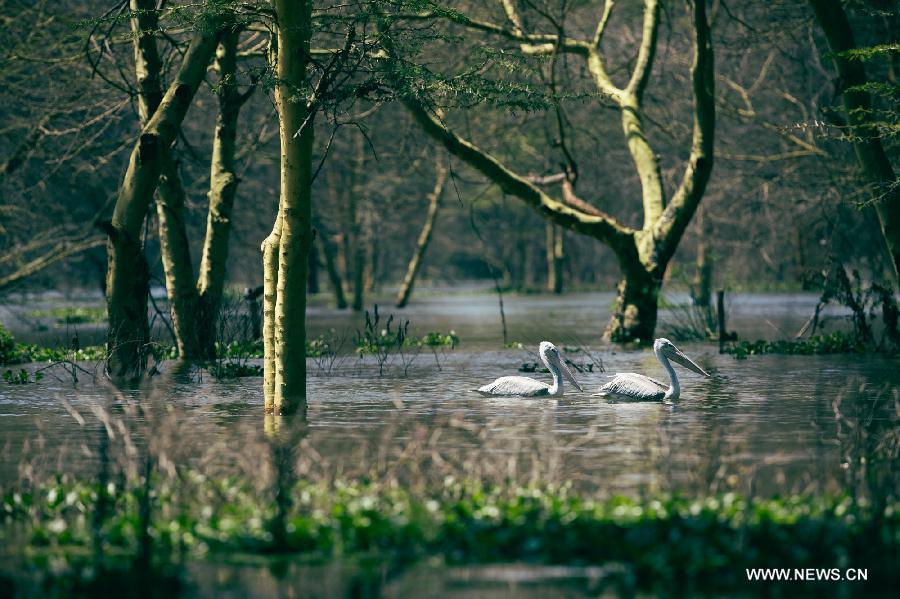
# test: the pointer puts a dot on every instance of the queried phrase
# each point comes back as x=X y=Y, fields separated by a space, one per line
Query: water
x=773 y=414
x=767 y=421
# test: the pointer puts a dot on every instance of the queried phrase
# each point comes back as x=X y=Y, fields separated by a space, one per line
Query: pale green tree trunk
x=285 y=384
x=223 y=183
x=127 y=274
x=870 y=152
x=434 y=205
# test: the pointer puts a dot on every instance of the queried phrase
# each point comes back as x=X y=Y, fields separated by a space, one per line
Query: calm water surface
x=767 y=421
x=771 y=416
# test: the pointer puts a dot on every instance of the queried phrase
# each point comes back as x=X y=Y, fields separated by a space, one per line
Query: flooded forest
x=426 y=298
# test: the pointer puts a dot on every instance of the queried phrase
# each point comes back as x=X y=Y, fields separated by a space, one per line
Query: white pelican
x=522 y=386
x=629 y=385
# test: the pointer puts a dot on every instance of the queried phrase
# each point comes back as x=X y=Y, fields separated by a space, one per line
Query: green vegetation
x=12 y=352
x=231 y=370
x=664 y=541
x=22 y=377
x=833 y=343
x=72 y=315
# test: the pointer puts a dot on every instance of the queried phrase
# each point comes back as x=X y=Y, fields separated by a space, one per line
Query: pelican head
x=664 y=348
x=550 y=356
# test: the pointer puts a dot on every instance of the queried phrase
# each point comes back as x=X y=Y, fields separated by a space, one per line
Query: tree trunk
x=270 y=252
x=555 y=256
x=434 y=205
x=331 y=267
x=296 y=134
x=356 y=244
x=870 y=152
x=634 y=314
x=358 y=261
x=175 y=252
x=701 y=292
x=223 y=183
x=174 y=248
x=127 y=274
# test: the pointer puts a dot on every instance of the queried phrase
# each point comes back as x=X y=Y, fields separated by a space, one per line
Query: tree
x=643 y=254
x=127 y=283
x=434 y=205
x=194 y=303
x=286 y=250
x=870 y=152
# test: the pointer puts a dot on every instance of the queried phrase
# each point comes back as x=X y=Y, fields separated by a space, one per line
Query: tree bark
x=127 y=274
x=434 y=205
x=701 y=293
x=223 y=183
x=294 y=29
x=635 y=310
x=270 y=252
x=174 y=248
x=870 y=152
x=175 y=253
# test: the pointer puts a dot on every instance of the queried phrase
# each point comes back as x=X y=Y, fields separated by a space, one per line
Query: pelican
x=522 y=386
x=629 y=385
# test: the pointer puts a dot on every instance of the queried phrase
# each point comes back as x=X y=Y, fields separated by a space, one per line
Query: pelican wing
x=634 y=386
x=515 y=386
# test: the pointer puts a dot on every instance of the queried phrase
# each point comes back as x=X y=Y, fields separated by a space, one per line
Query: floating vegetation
x=833 y=343
x=22 y=377
x=12 y=352
x=460 y=521
x=230 y=370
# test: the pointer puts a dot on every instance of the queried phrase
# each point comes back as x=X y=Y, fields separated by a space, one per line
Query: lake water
x=765 y=424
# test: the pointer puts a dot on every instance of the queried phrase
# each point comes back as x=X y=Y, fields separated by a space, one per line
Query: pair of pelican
x=627 y=385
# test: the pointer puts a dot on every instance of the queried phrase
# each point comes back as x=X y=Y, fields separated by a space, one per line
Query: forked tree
x=128 y=279
x=643 y=253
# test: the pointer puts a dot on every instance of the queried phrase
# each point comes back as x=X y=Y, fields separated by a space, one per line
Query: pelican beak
x=568 y=374
x=677 y=355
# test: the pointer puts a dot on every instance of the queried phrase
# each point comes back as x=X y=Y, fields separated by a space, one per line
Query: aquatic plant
x=22 y=377
x=394 y=340
x=231 y=370
x=833 y=343
x=460 y=521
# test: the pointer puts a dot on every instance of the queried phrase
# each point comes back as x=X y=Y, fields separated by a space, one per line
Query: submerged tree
x=643 y=254
x=194 y=303
x=286 y=250
x=128 y=279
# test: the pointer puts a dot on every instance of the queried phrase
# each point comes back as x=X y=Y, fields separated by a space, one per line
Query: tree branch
x=647 y=51
x=596 y=224
x=669 y=228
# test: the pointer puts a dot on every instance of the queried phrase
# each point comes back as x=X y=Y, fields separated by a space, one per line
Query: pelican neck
x=674 y=389
x=557 y=386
